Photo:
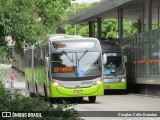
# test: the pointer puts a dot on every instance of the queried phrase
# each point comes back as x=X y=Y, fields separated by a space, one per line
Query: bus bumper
x=57 y=92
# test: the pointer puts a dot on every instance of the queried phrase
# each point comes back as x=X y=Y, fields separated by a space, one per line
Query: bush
x=15 y=101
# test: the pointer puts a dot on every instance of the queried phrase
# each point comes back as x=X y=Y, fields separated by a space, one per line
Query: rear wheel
x=32 y=94
x=92 y=99
x=79 y=99
x=37 y=93
x=28 y=88
x=45 y=93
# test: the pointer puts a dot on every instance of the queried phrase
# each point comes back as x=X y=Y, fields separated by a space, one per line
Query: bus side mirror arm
x=104 y=58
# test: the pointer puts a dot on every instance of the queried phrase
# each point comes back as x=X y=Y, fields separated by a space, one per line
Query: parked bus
x=68 y=66
x=114 y=68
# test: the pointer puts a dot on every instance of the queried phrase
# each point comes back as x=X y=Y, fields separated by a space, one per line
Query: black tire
x=27 y=86
x=36 y=94
x=92 y=99
x=80 y=99
x=45 y=93
x=31 y=94
x=36 y=89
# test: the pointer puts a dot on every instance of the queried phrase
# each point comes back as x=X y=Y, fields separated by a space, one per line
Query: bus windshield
x=75 y=64
x=114 y=64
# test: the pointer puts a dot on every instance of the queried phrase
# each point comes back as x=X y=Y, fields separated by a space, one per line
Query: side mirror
x=47 y=62
x=125 y=58
x=104 y=58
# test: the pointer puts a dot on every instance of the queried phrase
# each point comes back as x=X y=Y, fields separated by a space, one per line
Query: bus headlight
x=123 y=79
x=99 y=82
x=57 y=84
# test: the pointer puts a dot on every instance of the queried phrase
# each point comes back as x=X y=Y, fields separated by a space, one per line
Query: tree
x=29 y=21
x=82 y=29
x=109 y=26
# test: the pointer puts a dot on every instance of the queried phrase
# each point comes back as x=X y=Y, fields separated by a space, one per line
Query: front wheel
x=79 y=99
x=92 y=99
x=45 y=93
x=28 y=88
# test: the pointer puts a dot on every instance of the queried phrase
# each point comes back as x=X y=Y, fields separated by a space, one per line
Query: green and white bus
x=68 y=66
x=114 y=68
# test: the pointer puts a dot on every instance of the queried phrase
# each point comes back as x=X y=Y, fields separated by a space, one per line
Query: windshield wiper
x=82 y=55
x=67 y=56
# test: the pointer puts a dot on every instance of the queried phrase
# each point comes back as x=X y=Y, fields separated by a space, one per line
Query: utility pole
x=75 y=11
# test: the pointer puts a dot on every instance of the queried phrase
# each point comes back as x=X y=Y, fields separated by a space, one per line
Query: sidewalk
x=19 y=82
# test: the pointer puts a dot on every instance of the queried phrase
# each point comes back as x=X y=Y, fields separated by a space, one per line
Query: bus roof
x=59 y=37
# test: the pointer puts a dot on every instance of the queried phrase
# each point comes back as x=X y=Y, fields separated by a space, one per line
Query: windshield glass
x=114 y=64
x=75 y=64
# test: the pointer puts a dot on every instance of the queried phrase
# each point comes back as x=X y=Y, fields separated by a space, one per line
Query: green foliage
x=15 y=101
x=76 y=7
x=109 y=26
x=82 y=29
x=29 y=21
x=129 y=27
x=50 y=11
x=154 y=26
x=2 y=74
x=3 y=53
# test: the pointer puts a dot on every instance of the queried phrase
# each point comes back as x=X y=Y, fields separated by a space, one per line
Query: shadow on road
x=115 y=92
x=70 y=101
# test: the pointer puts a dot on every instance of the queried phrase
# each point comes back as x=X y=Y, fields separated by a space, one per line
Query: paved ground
x=129 y=102
x=119 y=106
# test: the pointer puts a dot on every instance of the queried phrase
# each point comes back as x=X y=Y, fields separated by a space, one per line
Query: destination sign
x=74 y=45
x=59 y=45
x=62 y=69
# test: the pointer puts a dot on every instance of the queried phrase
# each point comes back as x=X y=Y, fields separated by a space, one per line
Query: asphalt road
x=120 y=107
x=128 y=102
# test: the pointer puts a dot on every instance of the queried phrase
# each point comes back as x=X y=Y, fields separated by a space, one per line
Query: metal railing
x=143 y=54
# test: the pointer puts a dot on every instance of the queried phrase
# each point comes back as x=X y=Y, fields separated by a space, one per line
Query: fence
x=143 y=54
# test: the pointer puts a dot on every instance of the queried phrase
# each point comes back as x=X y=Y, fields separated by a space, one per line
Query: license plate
x=107 y=87
x=78 y=91
x=111 y=80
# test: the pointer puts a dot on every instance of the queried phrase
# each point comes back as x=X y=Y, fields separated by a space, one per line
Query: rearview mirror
x=104 y=58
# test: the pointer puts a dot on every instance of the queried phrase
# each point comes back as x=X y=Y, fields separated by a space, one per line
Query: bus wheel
x=37 y=93
x=27 y=86
x=80 y=99
x=30 y=93
x=45 y=93
x=92 y=99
